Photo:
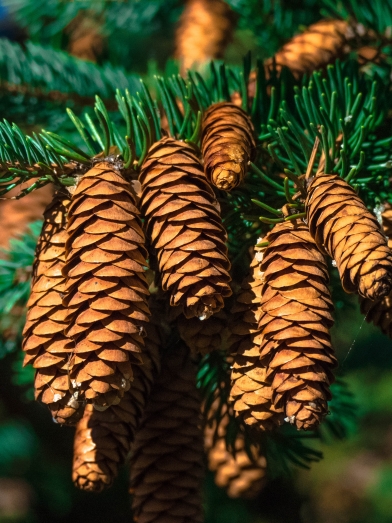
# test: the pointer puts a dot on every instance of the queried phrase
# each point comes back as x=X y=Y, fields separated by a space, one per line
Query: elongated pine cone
x=106 y=289
x=227 y=145
x=166 y=465
x=103 y=439
x=44 y=342
x=185 y=229
x=297 y=315
x=239 y=474
x=251 y=393
x=205 y=29
x=343 y=227
x=202 y=337
x=321 y=44
x=380 y=312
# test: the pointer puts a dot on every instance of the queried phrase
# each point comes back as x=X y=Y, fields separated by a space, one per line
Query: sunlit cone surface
x=202 y=337
x=380 y=312
x=204 y=30
x=44 y=342
x=321 y=44
x=227 y=144
x=103 y=439
x=185 y=229
x=106 y=291
x=167 y=464
x=241 y=476
x=251 y=393
x=343 y=227
x=297 y=315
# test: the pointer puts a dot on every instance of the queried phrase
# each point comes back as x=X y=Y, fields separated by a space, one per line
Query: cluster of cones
x=94 y=332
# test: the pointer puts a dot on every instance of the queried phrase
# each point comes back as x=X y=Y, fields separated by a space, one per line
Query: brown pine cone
x=167 y=463
x=343 y=227
x=321 y=44
x=227 y=144
x=237 y=473
x=185 y=229
x=296 y=317
x=202 y=337
x=106 y=290
x=251 y=392
x=205 y=29
x=103 y=439
x=380 y=312
x=44 y=342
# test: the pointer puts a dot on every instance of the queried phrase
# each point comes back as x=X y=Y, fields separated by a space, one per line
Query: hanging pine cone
x=227 y=144
x=103 y=439
x=236 y=472
x=44 y=342
x=251 y=393
x=185 y=229
x=321 y=44
x=296 y=317
x=202 y=337
x=205 y=29
x=106 y=289
x=380 y=312
x=343 y=227
x=166 y=466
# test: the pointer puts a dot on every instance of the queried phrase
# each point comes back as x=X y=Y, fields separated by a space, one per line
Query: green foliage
x=16 y=265
x=46 y=73
x=372 y=14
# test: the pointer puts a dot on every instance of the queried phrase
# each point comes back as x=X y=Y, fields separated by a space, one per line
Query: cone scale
x=239 y=474
x=227 y=145
x=342 y=226
x=45 y=345
x=166 y=464
x=103 y=439
x=185 y=229
x=106 y=289
x=295 y=343
x=251 y=393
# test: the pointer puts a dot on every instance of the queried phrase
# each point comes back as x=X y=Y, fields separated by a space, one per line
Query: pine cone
x=227 y=144
x=202 y=337
x=321 y=44
x=185 y=229
x=103 y=439
x=343 y=227
x=45 y=344
x=237 y=473
x=106 y=289
x=205 y=29
x=296 y=317
x=251 y=394
x=166 y=466
x=380 y=312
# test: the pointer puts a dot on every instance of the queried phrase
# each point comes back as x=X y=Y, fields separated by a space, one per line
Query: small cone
x=45 y=345
x=321 y=44
x=167 y=464
x=106 y=291
x=185 y=229
x=295 y=342
x=86 y=40
x=380 y=312
x=343 y=227
x=251 y=393
x=202 y=337
x=205 y=29
x=103 y=439
x=236 y=472
x=227 y=144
